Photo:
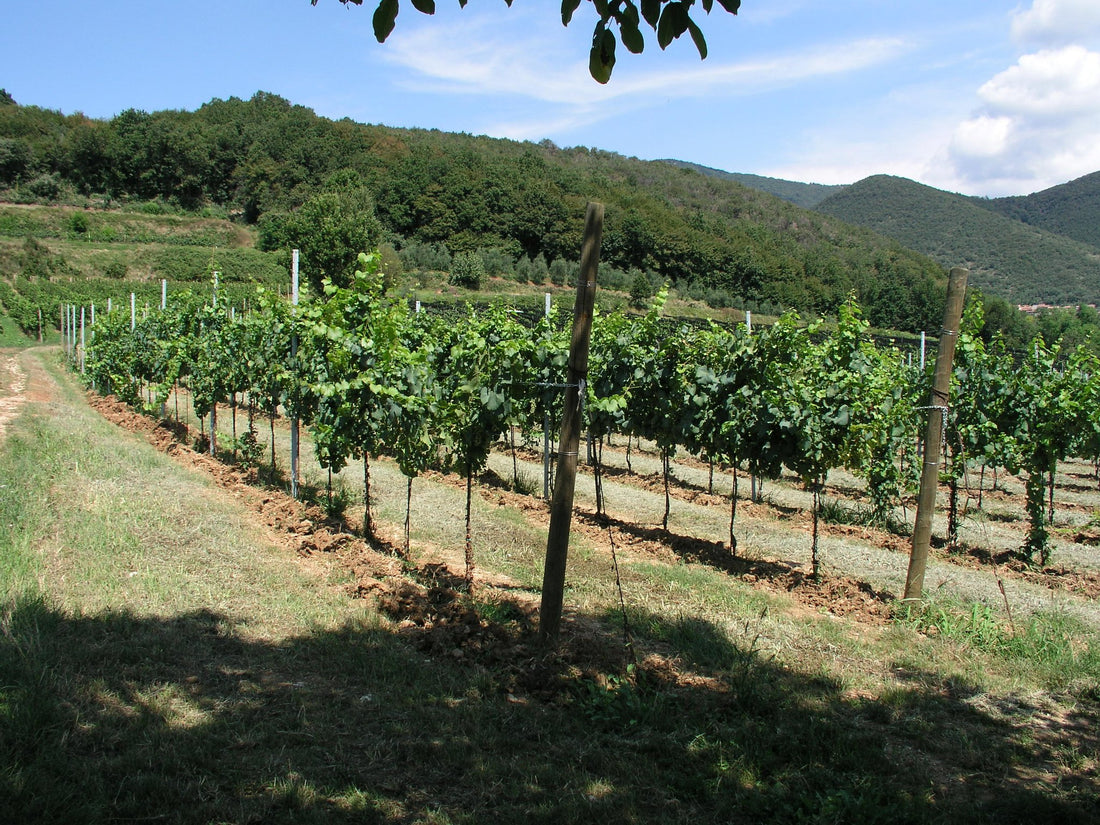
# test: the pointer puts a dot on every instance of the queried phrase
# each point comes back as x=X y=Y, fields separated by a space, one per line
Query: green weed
x=1055 y=646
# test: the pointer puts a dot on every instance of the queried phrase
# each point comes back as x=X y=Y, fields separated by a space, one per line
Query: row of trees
x=370 y=378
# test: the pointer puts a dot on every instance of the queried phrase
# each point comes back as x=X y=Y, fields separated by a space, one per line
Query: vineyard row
x=371 y=377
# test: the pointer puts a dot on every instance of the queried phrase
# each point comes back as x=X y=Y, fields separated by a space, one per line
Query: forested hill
x=264 y=156
x=807 y=195
x=1006 y=257
x=1071 y=209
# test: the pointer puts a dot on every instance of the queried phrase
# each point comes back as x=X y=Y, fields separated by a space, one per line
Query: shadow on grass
x=121 y=718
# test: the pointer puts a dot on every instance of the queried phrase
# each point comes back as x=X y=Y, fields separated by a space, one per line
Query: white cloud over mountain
x=1039 y=120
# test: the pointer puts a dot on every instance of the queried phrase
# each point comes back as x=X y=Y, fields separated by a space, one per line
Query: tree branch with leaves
x=668 y=19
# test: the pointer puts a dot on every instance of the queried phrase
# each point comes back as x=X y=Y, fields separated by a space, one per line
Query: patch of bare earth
x=23 y=380
x=13 y=388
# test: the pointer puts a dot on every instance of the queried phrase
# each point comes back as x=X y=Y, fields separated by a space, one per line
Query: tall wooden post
x=561 y=507
x=546 y=436
x=294 y=425
x=937 y=413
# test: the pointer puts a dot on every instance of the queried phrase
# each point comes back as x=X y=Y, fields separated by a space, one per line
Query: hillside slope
x=806 y=195
x=1006 y=257
x=258 y=159
x=1071 y=209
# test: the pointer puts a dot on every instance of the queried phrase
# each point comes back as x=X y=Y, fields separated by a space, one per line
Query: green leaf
x=730 y=5
x=673 y=23
x=632 y=37
x=601 y=60
x=567 y=9
x=424 y=6
x=385 y=18
x=697 y=37
x=651 y=11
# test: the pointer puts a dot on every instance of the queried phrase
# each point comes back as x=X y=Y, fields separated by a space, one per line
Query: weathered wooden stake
x=294 y=426
x=561 y=508
x=937 y=413
x=546 y=436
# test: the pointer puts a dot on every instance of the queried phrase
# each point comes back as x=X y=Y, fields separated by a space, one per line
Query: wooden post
x=294 y=426
x=937 y=413
x=561 y=508
x=546 y=436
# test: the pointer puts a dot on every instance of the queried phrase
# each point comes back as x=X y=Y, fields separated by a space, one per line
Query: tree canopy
x=669 y=19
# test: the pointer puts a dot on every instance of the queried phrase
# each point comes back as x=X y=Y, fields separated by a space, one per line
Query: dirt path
x=13 y=389
x=23 y=379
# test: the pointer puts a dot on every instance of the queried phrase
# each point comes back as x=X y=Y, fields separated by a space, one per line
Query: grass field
x=177 y=646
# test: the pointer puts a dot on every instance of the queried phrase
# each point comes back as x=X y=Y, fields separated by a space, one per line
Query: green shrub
x=44 y=188
x=561 y=272
x=78 y=223
x=641 y=290
x=116 y=269
x=467 y=270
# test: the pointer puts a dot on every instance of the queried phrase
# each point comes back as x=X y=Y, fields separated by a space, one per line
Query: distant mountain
x=806 y=195
x=1071 y=209
x=1006 y=256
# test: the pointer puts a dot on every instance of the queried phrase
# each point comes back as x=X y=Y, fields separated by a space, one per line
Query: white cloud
x=1061 y=83
x=982 y=136
x=470 y=58
x=850 y=152
x=550 y=97
x=1057 y=21
x=1038 y=126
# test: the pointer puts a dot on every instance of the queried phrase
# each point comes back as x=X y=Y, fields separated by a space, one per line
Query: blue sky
x=984 y=97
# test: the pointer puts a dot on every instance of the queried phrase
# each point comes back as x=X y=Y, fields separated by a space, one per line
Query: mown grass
x=225 y=683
